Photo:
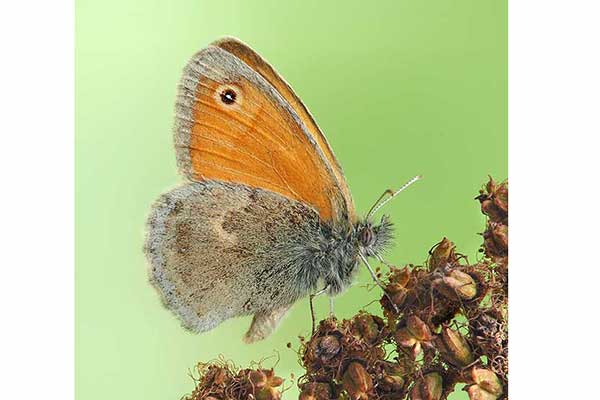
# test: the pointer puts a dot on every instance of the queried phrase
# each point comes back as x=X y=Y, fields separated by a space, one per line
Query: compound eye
x=366 y=236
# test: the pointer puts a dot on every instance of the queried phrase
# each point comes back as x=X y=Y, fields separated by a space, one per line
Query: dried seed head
x=393 y=378
x=265 y=382
x=495 y=239
x=348 y=360
x=477 y=393
x=397 y=289
x=272 y=379
x=494 y=201
x=491 y=210
x=456 y=285
x=501 y=197
x=418 y=328
x=442 y=254
x=315 y=391
x=268 y=393
x=219 y=376
x=413 y=335
x=257 y=378
x=367 y=327
x=391 y=383
x=487 y=385
x=357 y=382
x=404 y=338
x=397 y=293
x=428 y=388
x=454 y=348
x=402 y=276
x=328 y=347
x=487 y=380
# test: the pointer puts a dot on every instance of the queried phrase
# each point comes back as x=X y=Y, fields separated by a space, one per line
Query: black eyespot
x=228 y=96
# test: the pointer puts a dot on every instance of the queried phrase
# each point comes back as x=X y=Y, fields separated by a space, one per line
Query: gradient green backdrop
x=399 y=88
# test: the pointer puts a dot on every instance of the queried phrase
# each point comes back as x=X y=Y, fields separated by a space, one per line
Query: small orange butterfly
x=267 y=216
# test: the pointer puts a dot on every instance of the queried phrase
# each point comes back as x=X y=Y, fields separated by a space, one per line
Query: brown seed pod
x=430 y=387
x=264 y=383
x=456 y=285
x=272 y=379
x=454 y=348
x=397 y=289
x=495 y=239
x=323 y=347
x=413 y=335
x=268 y=393
x=393 y=379
x=257 y=378
x=367 y=327
x=356 y=381
x=328 y=347
x=487 y=385
x=397 y=293
x=494 y=201
x=315 y=391
x=442 y=255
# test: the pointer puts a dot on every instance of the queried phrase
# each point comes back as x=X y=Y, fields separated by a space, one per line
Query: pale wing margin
x=219 y=250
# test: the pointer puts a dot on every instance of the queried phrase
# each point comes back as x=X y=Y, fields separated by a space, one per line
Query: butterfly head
x=374 y=239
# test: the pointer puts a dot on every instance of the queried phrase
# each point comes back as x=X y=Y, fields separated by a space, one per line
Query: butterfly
x=266 y=216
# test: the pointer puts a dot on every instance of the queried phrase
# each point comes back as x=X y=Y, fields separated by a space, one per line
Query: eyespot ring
x=228 y=96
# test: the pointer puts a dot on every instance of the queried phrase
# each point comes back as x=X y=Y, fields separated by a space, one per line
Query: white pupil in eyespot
x=228 y=96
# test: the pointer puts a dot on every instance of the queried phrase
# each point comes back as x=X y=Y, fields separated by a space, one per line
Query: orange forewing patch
x=257 y=139
x=261 y=66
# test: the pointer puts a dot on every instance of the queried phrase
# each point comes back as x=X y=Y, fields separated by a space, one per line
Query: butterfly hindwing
x=219 y=250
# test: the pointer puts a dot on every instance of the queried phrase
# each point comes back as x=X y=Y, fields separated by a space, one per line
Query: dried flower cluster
x=223 y=380
x=444 y=323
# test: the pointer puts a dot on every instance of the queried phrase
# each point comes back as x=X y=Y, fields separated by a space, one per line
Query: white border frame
x=553 y=167
x=36 y=160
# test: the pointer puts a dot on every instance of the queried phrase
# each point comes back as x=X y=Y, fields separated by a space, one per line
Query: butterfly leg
x=377 y=281
x=331 y=312
x=312 y=308
x=387 y=264
x=264 y=323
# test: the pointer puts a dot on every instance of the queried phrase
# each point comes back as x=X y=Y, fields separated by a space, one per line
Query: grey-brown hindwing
x=219 y=250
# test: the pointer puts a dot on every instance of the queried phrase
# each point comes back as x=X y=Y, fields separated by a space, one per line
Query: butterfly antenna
x=381 y=202
x=386 y=193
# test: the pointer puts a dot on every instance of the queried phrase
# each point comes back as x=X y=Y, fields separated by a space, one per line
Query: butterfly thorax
x=339 y=259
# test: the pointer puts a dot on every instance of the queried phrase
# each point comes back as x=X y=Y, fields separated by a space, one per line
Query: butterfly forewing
x=233 y=124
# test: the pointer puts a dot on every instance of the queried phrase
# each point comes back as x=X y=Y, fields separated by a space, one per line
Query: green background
x=399 y=87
